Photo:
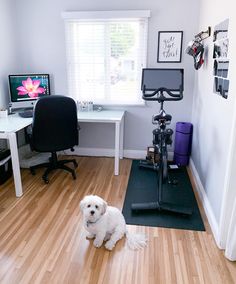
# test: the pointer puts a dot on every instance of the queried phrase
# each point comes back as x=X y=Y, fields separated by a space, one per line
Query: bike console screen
x=156 y=81
x=172 y=79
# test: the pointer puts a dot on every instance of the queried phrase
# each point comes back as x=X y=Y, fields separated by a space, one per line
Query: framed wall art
x=221 y=59
x=169 y=46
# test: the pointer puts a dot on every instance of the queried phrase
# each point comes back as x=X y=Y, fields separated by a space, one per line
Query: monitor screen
x=155 y=78
x=25 y=89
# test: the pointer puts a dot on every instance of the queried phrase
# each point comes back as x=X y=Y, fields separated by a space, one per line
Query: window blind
x=105 y=56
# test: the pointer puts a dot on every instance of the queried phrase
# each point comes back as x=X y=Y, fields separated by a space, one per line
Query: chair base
x=54 y=164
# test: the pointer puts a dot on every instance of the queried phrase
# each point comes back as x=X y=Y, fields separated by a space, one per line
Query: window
x=106 y=52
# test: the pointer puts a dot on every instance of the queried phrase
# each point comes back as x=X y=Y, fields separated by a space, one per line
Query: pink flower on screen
x=30 y=87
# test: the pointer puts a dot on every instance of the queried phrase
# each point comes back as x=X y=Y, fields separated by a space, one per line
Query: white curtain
x=227 y=226
x=230 y=249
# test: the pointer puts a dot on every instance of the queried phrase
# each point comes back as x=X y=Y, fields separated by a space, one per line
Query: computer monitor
x=155 y=78
x=25 y=89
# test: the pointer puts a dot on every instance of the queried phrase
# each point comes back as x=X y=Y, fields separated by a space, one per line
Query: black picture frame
x=169 y=46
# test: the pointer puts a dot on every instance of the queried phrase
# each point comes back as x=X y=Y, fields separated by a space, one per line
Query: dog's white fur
x=106 y=223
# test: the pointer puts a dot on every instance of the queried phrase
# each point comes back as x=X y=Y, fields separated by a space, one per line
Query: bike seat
x=161 y=117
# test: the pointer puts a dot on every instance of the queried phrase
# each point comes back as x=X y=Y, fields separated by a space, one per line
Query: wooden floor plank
x=42 y=239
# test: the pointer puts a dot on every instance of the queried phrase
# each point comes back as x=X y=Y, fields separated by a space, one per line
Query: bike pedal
x=173 y=182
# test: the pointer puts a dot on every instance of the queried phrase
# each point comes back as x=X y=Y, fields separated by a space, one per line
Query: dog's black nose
x=92 y=212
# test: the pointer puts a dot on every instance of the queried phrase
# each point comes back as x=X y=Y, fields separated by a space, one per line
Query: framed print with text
x=169 y=46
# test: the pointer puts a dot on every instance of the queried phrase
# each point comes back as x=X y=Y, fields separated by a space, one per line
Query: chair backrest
x=55 y=124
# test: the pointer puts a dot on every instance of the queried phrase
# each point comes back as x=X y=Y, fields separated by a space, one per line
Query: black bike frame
x=160 y=95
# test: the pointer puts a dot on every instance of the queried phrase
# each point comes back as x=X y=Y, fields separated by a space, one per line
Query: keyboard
x=26 y=113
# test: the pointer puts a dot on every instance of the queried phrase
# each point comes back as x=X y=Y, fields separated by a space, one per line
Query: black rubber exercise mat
x=142 y=187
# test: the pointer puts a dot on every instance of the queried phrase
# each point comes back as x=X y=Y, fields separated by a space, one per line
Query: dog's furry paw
x=90 y=236
x=109 y=245
x=107 y=237
x=97 y=243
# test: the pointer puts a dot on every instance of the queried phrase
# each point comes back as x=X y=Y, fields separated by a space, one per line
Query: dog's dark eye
x=89 y=206
x=96 y=206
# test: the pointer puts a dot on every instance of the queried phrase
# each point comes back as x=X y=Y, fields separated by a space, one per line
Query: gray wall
x=213 y=116
x=41 y=48
x=7 y=47
x=7 y=51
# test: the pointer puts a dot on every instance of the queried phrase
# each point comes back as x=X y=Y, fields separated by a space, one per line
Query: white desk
x=13 y=123
x=8 y=128
x=109 y=116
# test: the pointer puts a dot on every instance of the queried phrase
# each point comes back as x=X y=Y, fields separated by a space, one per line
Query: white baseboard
x=135 y=154
x=205 y=202
x=104 y=152
x=91 y=152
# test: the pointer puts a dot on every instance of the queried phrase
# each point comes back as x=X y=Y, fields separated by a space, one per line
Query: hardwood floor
x=42 y=239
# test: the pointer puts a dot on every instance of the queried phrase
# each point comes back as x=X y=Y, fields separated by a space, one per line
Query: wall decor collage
x=221 y=61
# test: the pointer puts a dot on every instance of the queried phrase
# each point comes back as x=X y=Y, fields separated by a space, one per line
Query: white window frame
x=116 y=15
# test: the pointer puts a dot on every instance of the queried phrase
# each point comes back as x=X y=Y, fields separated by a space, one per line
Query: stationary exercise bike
x=162 y=137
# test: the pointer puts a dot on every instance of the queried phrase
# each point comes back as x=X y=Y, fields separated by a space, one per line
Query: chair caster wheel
x=73 y=175
x=45 y=180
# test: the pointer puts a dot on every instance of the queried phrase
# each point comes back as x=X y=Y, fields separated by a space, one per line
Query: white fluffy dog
x=106 y=223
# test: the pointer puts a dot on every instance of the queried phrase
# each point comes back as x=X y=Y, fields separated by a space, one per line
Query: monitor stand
x=24 y=112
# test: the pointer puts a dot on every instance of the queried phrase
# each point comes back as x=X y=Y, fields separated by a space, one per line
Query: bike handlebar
x=158 y=95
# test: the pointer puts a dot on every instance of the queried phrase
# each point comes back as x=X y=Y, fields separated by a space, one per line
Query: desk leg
x=117 y=148
x=122 y=138
x=15 y=163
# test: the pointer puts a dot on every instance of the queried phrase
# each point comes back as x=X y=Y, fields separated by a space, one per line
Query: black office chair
x=54 y=128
